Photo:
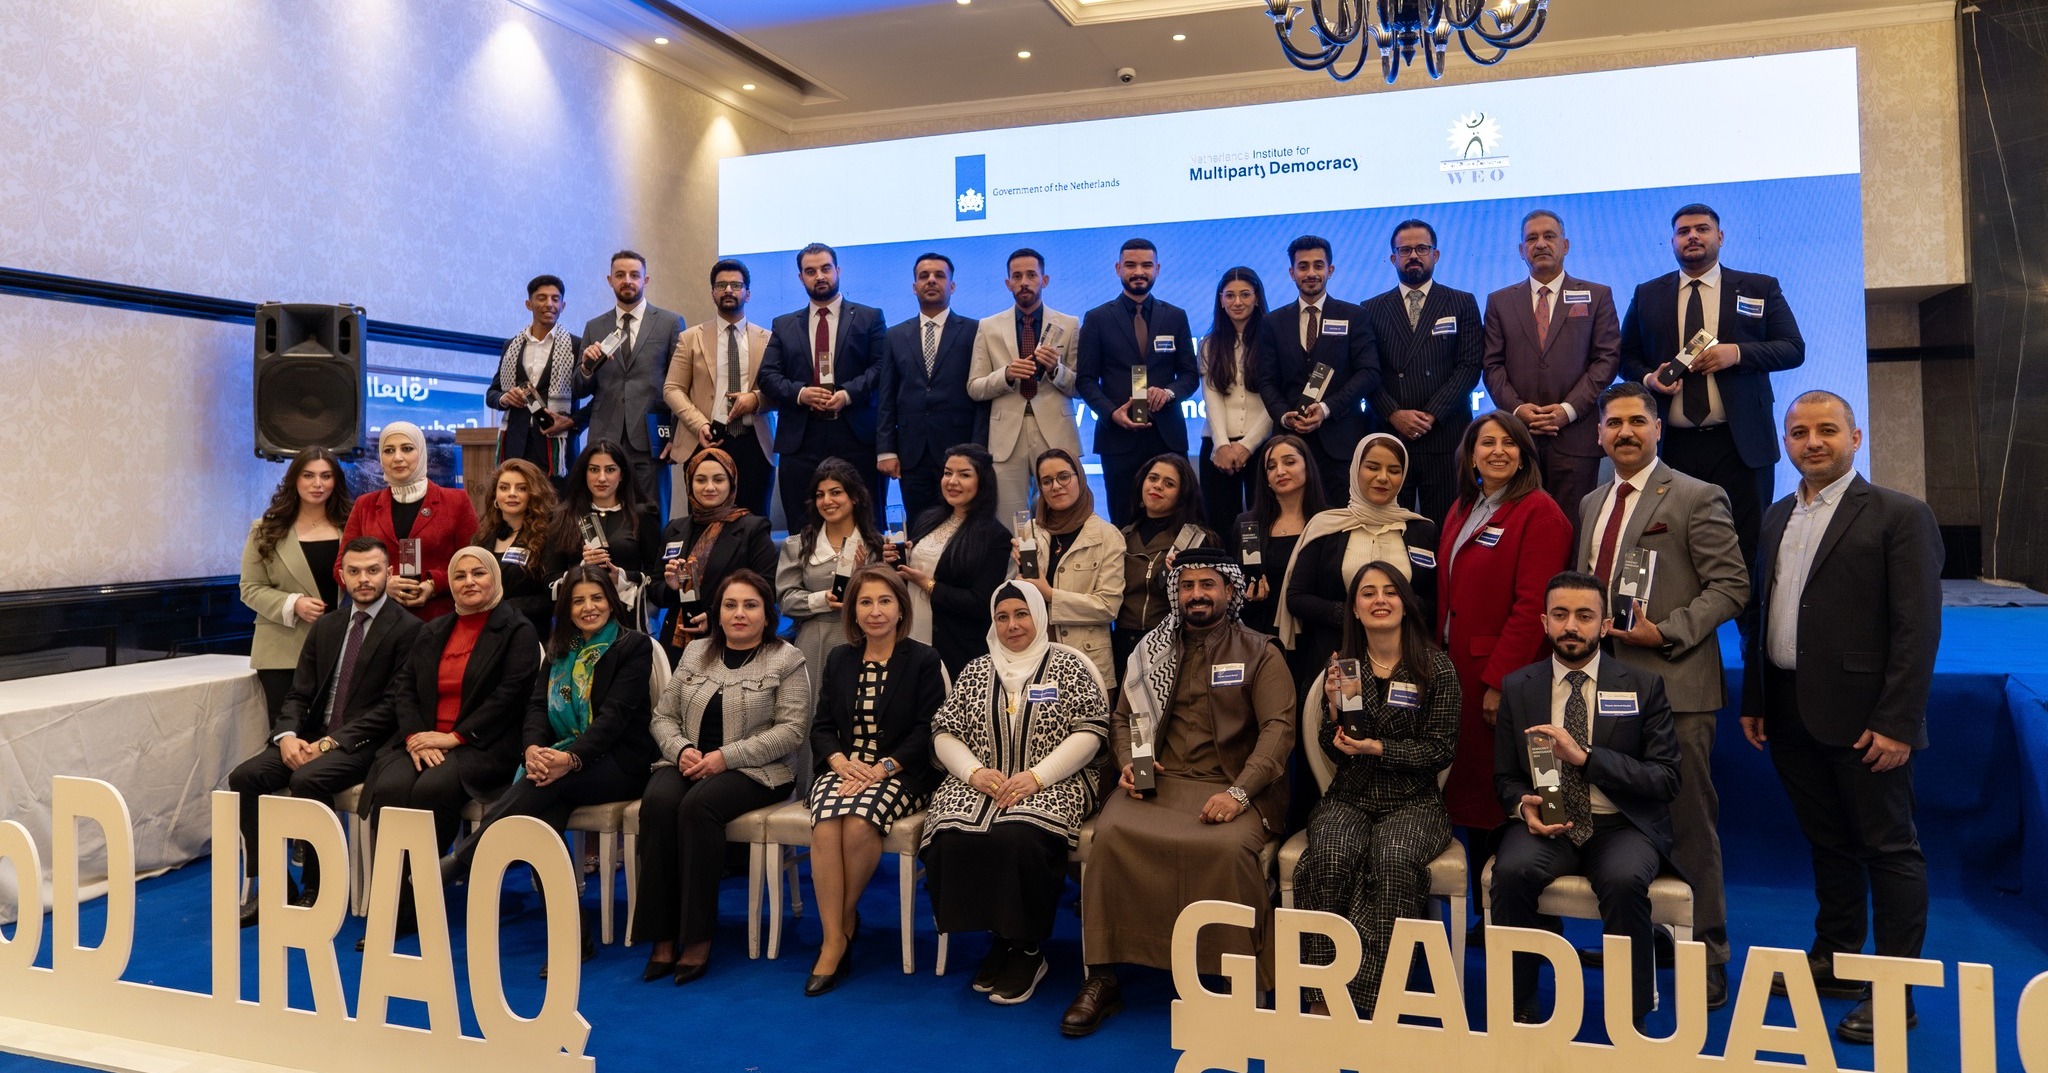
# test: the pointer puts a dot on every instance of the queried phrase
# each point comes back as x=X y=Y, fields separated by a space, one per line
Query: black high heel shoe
x=819 y=983
x=657 y=968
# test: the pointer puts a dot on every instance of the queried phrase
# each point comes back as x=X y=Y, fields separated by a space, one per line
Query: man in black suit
x=1838 y=668
x=924 y=405
x=821 y=372
x=1117 y=336
x=1316 y=329
x=1718 y=417
x=1430 y=343
x=1610 y=729
x=627 y=384
x=338 y=713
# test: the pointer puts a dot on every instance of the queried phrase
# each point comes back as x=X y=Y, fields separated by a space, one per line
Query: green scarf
x=569 y=683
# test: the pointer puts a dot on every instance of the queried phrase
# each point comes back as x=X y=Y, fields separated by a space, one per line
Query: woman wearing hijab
x=458 y=700
x=872 y=738
x=420 y=521
x=1018 y=737
x=586 y=733
x=288 y=567
x=714 y=539
x=1080 y=572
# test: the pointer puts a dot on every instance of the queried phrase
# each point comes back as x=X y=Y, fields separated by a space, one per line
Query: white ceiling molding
x=1096 y=12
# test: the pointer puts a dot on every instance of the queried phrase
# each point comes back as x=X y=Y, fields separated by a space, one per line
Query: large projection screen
x=1771 y=142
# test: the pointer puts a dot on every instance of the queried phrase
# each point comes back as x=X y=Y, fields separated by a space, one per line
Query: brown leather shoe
x=1098 y=999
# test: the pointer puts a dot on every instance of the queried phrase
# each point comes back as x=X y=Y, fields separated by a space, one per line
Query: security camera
x=1127 y=75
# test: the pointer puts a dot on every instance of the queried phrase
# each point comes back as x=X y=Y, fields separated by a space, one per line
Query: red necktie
x=1603 y=567
x=1542 y=315
x=1027 y=342
x=821 y=349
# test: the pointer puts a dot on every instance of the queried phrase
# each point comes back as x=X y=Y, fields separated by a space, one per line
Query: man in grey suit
x=1029 y=388
x=1835 y=679
x=627 y=383
x=1553 y=342
x=1698 y=582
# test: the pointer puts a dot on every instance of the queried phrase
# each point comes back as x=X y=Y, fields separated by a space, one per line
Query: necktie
x=1578 y=803
x=626 y=333
x=1414 y=308
x=733 y=375
x=931 y=350
x=821 y=349
x=1542 y=315
x=1142 y=331
x=1692 y=400
x=345 y=672
x=1603 y=567
x=1027 y=342
x=1315 y=327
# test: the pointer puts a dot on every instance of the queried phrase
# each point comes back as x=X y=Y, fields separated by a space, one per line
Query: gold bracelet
x=1035 y=778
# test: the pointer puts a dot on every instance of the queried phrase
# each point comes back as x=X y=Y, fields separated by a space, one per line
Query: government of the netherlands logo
x=970 y=188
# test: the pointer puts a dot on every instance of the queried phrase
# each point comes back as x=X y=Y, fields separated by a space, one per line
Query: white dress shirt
x=838 y=307
x=1803 y=531
x=1302 y=316
x=533 y=357
x=1710 y=319
x=1641 y=483
x=1237 y=415
x=1560 y=694
x=639 y=315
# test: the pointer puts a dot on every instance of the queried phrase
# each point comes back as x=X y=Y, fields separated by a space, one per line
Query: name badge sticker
x=1618 y=704
x=1749 y=307
x=1046 y=694
x=513 y=557
x=1444 y=326
x=1162 y=345
x=1489 y=536
x=1578 y=298
x=1424 y=559
x=1227 y=674
x=672 y=551
x=1403 y=695
x=1336 y=327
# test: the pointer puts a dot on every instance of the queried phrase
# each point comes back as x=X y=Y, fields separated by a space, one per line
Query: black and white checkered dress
x=885 y=802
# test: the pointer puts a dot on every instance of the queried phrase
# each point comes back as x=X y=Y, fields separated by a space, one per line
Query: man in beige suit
x=712 y=390
x=1024 y=359
x=1697 y=583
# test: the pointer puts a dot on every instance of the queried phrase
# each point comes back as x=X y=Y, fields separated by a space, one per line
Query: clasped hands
x=696 y=764
x=855 y=775
x=429 y=747
x=823 y=400
x=1005 y=792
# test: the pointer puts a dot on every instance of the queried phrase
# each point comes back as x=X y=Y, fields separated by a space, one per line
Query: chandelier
x=1399 y=29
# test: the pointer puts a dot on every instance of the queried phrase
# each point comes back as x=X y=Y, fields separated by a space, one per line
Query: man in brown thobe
x=1213 y=701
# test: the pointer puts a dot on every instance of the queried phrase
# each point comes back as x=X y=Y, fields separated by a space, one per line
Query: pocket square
x=1578 y=311
x=1660 y=527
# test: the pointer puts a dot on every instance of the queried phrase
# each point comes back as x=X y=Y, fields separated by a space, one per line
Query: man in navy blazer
x=822 y=370
x=1611 y=731
x=1429 y=350
x=1316 y=329
x=923 y=405
x=1718 y=419
x=627 y=385
x=1111 y=346
x=1835 y=681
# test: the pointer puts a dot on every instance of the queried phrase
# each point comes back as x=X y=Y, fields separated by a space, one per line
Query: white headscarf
x=490 y=563
x=1359 y=515
x=1015 y=670
x=413 y=490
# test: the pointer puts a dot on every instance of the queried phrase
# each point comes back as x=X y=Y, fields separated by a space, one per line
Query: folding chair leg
x=606 y=863
x=633 y=884
x=796 y=888
x=1455 y=911
x=906 y=889
x=773 y=854
x=940 y=968
x=756 y=864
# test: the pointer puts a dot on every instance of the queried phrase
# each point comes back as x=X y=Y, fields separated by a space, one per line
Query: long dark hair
x=1223 y=337
x=565 y=632
x=536 y=528
x=983 y=505
x=284 y=503
x=1187 y=510
x=839 y=469
x=1528 y=478
x=1265 y=503
x=576 y=502
x=1416 y=647
x=714 y=623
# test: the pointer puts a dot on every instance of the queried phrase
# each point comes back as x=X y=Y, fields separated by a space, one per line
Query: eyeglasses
x=716 y=287
x=1057 y=480
x=1414 y=251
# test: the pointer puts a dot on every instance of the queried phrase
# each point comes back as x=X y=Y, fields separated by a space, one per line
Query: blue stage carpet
x=1981 y=800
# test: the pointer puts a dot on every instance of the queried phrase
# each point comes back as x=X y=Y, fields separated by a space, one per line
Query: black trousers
x=276 y=682
x=319 y=779
x=823 y=440
x=392 y=783
x=920 y=487
x=1866 y=849
x=600 y=781
x=1710 y=455
x=757 y=473
x=682 y=849
x=1619 y=860
x=1227 y=495
x=1431 y=485
x=1120 y=476
x=1568 y=478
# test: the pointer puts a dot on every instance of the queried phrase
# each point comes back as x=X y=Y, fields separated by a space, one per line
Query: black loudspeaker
x=308 y=379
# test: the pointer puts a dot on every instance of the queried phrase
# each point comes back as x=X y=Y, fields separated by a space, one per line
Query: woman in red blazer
x=1500 y=545
x=413 y=508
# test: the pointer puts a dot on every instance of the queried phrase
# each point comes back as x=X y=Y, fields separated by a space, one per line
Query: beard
x=825 y=291
x=1416 y=275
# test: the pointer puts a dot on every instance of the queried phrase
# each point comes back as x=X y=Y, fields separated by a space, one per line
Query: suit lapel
x=482 y=670
x=1558 y=312
x=293 y=557
x=1854 y=498
x=1609 y=681
x=1658 y=486
x=949 y=340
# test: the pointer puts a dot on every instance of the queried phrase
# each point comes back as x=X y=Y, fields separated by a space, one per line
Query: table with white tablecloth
x=164 y=733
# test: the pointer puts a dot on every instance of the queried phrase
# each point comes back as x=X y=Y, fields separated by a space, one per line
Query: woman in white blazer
x=288 y=566
x=1080 y=570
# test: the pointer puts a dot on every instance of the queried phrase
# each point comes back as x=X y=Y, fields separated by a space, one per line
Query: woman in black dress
x=872 y=740
x=516 y=523
x=1288 y=492
x=604 y=523
x=959 y=553
x=700 y=548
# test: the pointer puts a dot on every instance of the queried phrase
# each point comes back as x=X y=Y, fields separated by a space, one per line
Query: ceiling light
x=963 y=3
x=661 y=40
x=1398 y=32
x=749 y=87
x=1180 y=37
x=1025 y=55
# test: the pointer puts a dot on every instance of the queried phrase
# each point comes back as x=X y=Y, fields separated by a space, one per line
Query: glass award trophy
x=593 y=532
x=611 y=343
x=842 y=568
x=1027 y=546
x=1671 y=372
x=1313 y=391
x=1547 y=776
x=690 y=598
x=1053 y=334
x=1141 y=411
x=1250 y=553
x=1351 y=699
x=896 y=536
x=410 y=560
x=826 y=381
x=1632 y=587
x=1143 y=778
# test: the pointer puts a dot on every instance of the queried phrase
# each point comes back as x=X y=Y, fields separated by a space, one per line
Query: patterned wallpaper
x=420 y=158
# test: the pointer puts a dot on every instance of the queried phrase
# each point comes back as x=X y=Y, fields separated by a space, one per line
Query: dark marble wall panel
x=2004 y=47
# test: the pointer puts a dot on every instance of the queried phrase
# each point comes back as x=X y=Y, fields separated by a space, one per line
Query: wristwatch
x=890 y=767
x=326 y=745
x=1243 y=799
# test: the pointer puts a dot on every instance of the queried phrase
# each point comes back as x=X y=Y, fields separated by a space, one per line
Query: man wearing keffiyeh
x=1214 y=701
